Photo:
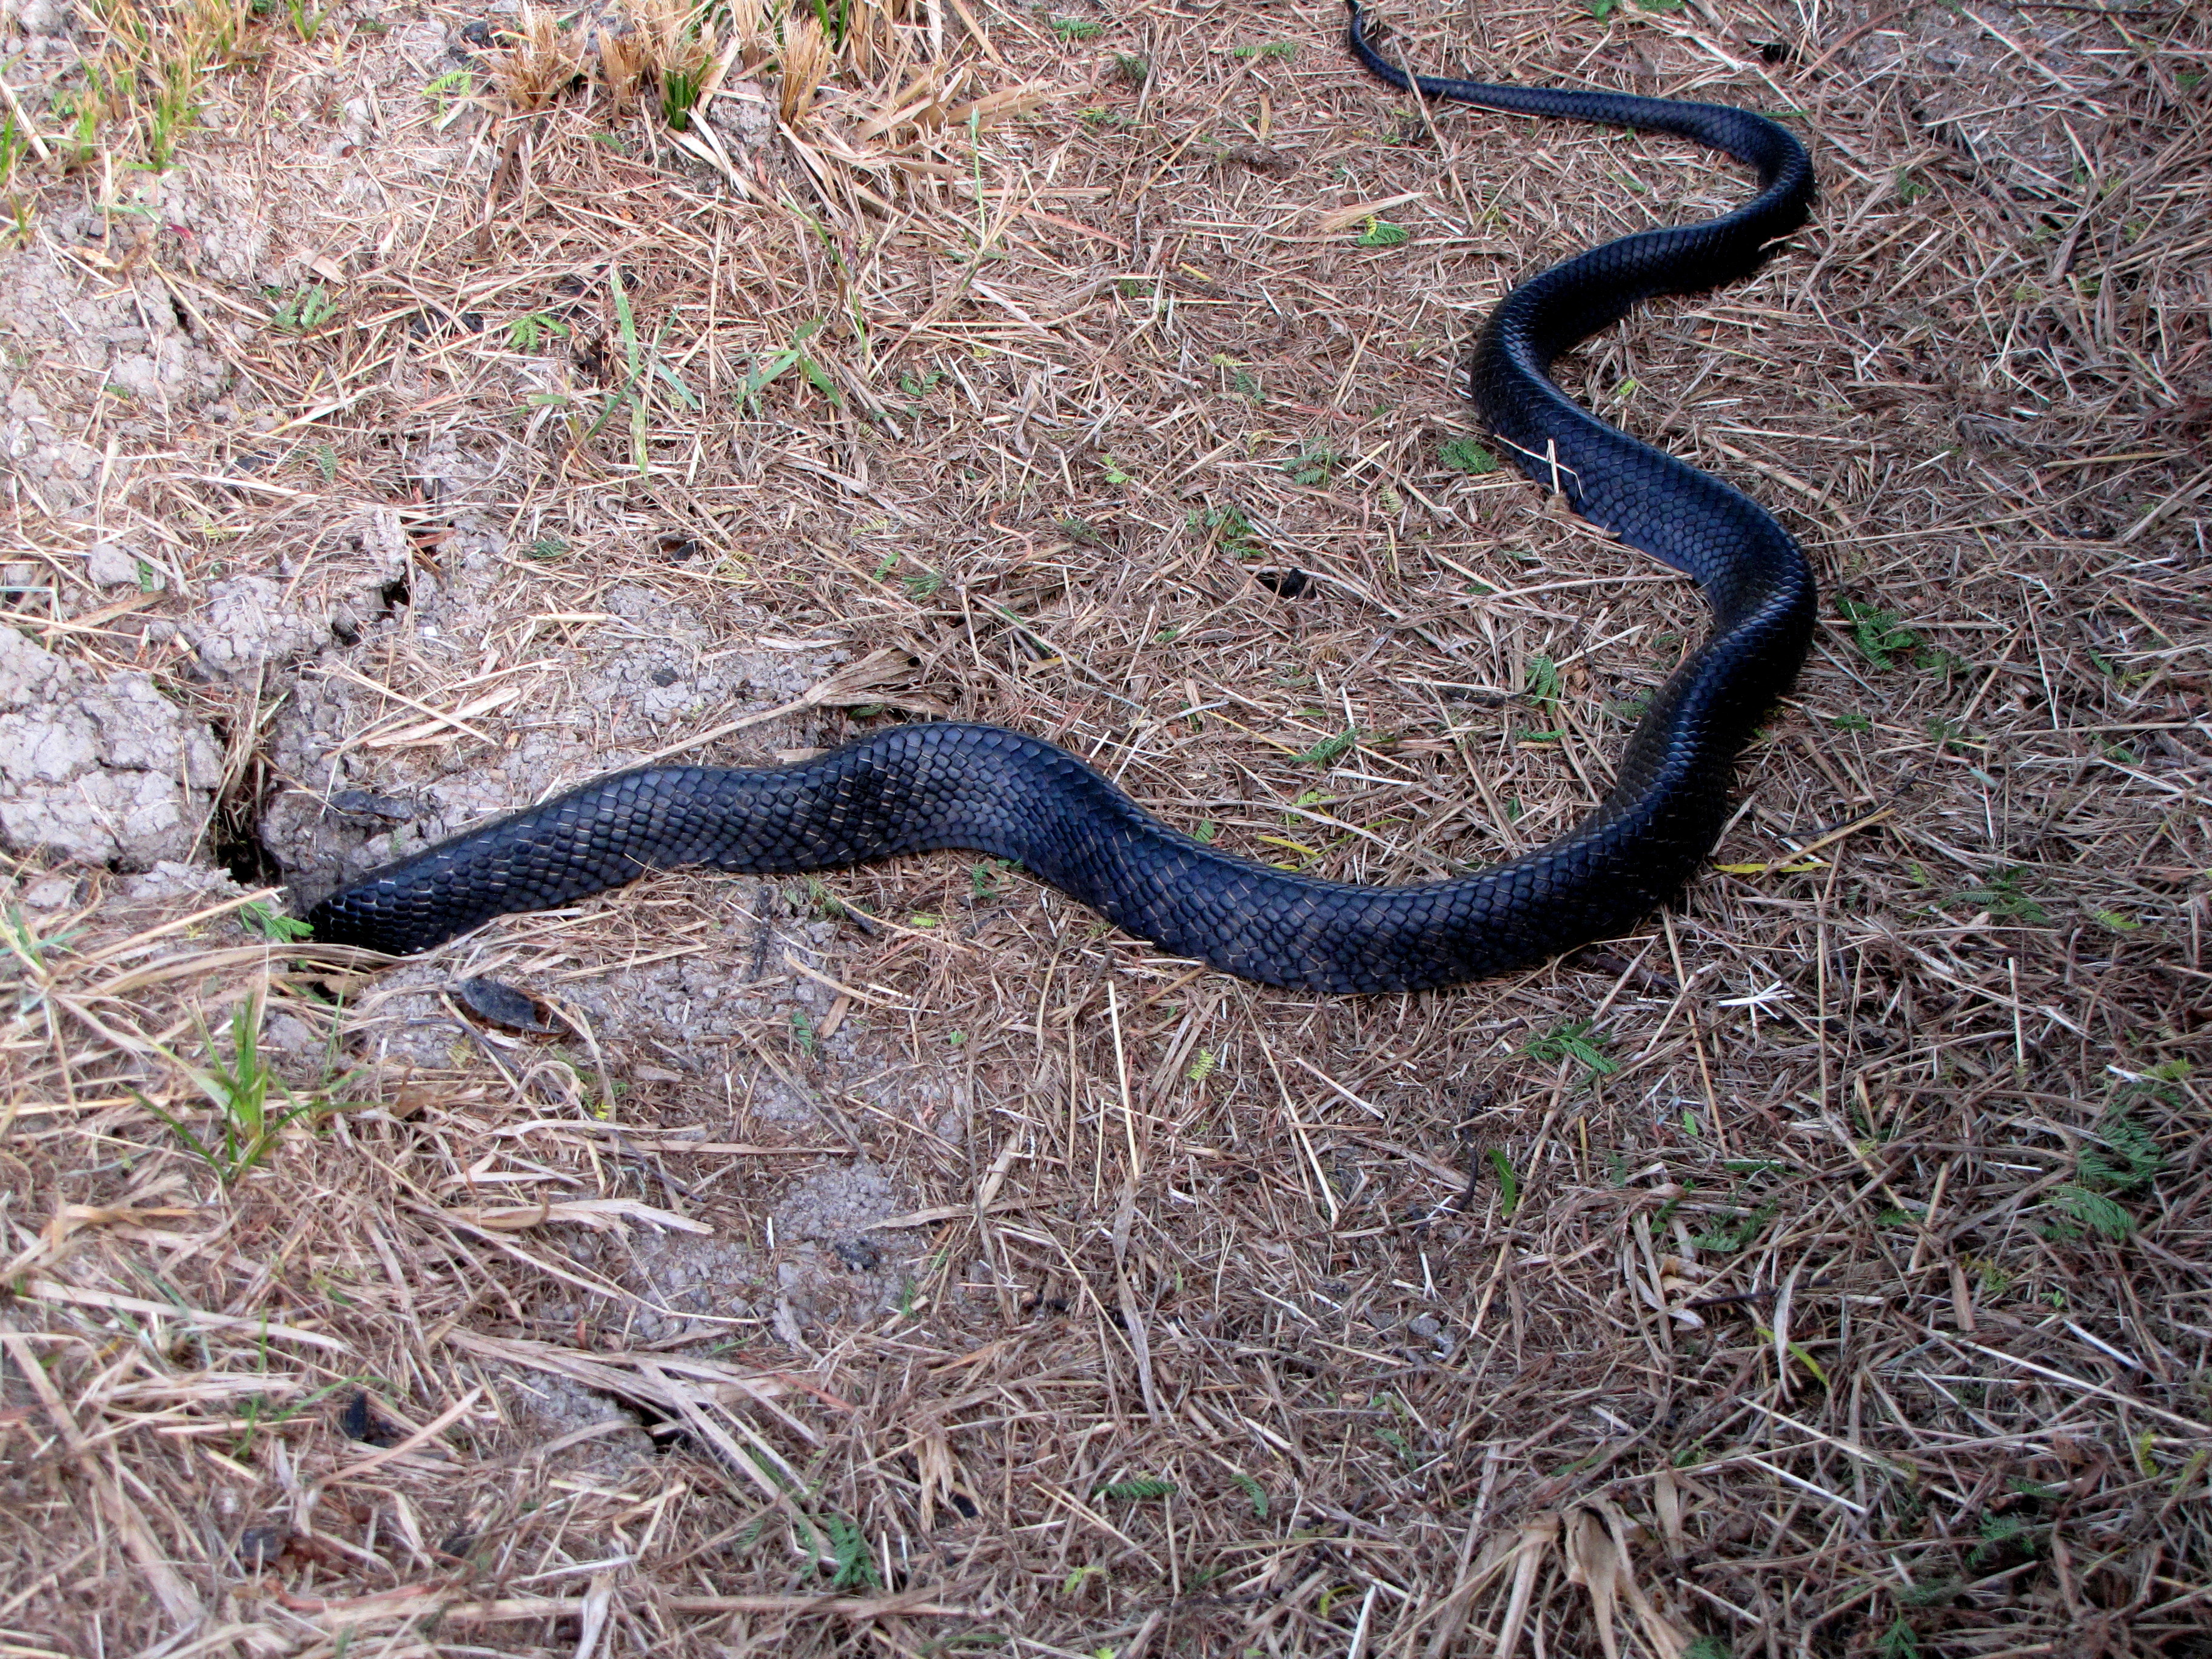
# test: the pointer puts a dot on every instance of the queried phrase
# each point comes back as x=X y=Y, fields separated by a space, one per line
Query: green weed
x=1881 y=636
x=1465 y=455
x=1329 y=750
x=1575 y=1042
x=640 y=387
x=1077 y=28
x=1739 y=1231
x=852 y=1562
x=1230 y=530
x=2001 y=897
x=2124 y=1162
x=304 y=310
x=1142 y=1489
x=251 y=1106
x=272 y=925
x=1280 y=51
x=527 y=333
x=1543 y=681
x=1313 y=465
x=448 y=92
x=1381 y=233
x=1509 y=1184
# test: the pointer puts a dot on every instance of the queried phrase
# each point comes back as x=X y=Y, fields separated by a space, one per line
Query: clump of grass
x=141 y=92
x=251 y=1106
x=540 y=59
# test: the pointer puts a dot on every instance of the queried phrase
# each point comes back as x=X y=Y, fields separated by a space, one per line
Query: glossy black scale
x=915 y=789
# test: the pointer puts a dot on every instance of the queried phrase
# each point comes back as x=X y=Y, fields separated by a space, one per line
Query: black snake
x=917 y=788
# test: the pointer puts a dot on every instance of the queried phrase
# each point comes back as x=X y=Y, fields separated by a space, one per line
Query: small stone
x=51 y=893
x=501 y=1004
x=859 y=1253
x=258 y=1547
x=110 y=564
x=741 y=113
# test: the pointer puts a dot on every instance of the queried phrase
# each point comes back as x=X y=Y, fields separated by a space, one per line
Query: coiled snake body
x=923 y=787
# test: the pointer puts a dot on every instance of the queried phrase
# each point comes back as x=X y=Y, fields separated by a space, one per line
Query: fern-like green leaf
x=1143 y=1488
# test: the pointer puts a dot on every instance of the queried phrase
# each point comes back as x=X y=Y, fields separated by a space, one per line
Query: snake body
x=954 y=785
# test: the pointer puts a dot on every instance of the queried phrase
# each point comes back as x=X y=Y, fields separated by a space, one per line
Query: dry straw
x=1821 y=1269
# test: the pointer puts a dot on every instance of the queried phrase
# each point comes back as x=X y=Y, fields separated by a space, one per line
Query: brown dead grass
x=1822 y=1270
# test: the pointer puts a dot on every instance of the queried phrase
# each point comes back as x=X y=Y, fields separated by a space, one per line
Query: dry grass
x=1822 y=1270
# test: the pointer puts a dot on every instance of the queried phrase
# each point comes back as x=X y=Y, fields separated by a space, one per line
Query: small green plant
x=1241 y=380
x=643 y=362
x=1881 y=636
x=1131 y=70
x=1850 y=722
x=924 y=583
x=1574 y=1041
x=1202 y=1066
x=1897 y=1642
x=1077 y=28
x=326 y=461
x=1144 y=1489
x=1709 y=1647
x=1280 y=51
x=1253 y=1491
x=251 y=1106
x=1509 y=1184
x=1330 y=750
x=14 y=146
x=1230 y=530
x=2001 y=1533
x=448 y=91
x=1381 y=233
x=548 y=547
x=1738 y=1231
x=528 y=332
x=1114 y=475
x=258 y=918
x=680 y=89
x=803 y=1033
x=1543 y=678
x=1313 y=466
x=2124 y=1162
x=304 y=310
x=1465 y=455
x=854 y=1562
x=2001 y=897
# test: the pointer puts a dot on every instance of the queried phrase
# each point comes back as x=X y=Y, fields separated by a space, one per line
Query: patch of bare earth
x=903 y=1261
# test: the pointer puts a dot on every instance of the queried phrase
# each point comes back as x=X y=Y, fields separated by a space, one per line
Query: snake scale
x=926 y=786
